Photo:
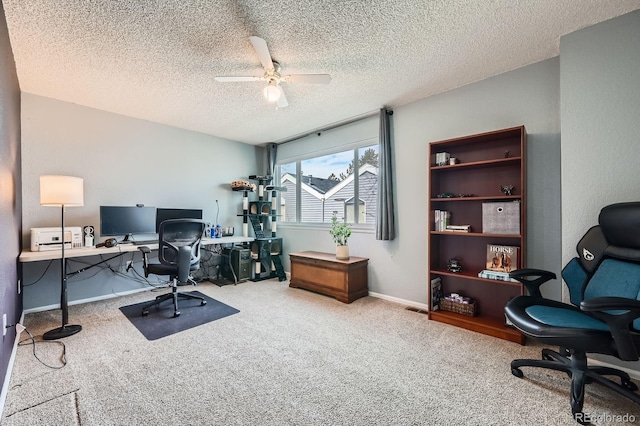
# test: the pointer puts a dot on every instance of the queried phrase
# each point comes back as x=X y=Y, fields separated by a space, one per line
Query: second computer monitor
x=166 y=214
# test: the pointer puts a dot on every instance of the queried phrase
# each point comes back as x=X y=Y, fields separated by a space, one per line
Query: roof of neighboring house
x=321 y=185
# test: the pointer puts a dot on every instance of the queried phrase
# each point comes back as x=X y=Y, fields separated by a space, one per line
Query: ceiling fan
x=272 y=75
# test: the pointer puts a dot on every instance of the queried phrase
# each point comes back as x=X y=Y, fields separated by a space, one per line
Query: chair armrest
x=145 y=259
x=610 y=303
x=527 y=277
x=618 y=313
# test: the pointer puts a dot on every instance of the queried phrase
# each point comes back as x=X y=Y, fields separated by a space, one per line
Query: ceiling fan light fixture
x=272 y=92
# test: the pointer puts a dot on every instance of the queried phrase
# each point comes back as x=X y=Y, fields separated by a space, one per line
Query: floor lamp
x=62 y=191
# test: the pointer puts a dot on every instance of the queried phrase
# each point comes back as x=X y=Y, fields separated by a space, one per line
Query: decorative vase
x=342 y=252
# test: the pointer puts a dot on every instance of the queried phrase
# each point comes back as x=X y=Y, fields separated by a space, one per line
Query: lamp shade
x=61 y=191
x=272 y=92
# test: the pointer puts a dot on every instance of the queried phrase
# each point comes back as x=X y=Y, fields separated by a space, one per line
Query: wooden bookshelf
x=485 y=162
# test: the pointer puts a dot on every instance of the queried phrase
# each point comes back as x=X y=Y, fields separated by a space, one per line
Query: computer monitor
x=127 y=220
x=166 y=214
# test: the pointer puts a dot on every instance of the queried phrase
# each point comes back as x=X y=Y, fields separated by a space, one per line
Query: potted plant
x=340 y=233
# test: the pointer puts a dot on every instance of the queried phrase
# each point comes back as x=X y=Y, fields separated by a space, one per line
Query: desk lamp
x=62 y=191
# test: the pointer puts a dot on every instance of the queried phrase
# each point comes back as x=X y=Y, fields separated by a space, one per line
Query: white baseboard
x=422 y=306
x=87 y=300
x=7 y=377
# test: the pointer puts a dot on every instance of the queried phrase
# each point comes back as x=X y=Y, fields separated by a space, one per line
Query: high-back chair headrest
x=616 y=236
x=620 y=224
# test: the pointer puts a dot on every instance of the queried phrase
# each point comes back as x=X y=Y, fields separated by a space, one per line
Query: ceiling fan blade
x=263 y=52
x=307 y=78
x=282 y=100
x=233 y=79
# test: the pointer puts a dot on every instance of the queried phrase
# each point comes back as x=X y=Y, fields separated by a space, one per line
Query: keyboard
x=144 y=243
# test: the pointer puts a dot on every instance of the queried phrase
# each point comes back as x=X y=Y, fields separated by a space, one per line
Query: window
x=342 y=183
x=287 y=173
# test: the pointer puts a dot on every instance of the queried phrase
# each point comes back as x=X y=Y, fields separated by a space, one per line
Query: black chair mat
x=161 y=323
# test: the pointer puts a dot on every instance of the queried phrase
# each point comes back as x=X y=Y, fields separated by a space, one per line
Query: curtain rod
x=333 y=126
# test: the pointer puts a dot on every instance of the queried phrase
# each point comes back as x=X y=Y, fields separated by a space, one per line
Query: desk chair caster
x=171 y=296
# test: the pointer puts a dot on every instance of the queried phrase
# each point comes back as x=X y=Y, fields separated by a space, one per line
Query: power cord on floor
x=63 y=357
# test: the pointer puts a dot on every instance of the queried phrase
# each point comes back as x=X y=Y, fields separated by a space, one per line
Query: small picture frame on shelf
x=442 y=158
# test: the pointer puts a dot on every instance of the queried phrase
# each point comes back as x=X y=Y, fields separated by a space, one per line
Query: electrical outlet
x=4 y=325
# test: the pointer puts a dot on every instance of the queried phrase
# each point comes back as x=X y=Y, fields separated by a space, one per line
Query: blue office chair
x=179 y=255
x=604 y=314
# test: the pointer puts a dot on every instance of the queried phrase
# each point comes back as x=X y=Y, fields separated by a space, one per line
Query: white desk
x=35 y=256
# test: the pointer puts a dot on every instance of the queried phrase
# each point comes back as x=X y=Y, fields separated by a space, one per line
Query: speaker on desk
x=207 y=230
x=89 y=235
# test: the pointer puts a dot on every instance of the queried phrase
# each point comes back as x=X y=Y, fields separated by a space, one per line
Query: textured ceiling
x=157 y=59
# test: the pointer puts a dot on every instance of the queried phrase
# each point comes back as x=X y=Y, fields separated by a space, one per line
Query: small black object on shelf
x=453 y=265
x=507 y=189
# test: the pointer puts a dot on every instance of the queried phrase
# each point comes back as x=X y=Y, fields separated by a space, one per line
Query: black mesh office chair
x=179 y=255
x=604 y=314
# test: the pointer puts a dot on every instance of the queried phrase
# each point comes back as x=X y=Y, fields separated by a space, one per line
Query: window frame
x=355 y=148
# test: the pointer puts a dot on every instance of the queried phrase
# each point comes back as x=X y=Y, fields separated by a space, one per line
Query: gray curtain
x=272 y=150
x=385 y=224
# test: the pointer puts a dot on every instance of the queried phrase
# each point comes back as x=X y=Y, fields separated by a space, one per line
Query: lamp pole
x=63 y=268
x=65 y=329
x=62 y=191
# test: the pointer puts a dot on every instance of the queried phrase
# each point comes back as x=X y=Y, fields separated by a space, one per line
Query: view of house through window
x=343 y=183
x=287 y=173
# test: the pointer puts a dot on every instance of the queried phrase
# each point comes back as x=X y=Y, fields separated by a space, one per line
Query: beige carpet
x=289 y=357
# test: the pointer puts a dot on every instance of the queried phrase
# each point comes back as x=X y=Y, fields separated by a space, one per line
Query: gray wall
x=10 y=196
x=600 y=123
x=528 y=96
x=123 y=161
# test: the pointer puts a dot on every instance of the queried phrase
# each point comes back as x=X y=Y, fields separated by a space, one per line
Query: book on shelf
x=442 y=220
x=495 y=275
x=436 y=293
x=458 y=228
x=502 y=258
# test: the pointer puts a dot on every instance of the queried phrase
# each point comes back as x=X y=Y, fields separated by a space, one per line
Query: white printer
x=43 y=239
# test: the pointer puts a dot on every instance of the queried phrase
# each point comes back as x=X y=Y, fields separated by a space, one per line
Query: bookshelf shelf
x=484 y=163
x=471 y=199
x=484 y=325
x=476 y=234
x=473 y=164
x=473 y=277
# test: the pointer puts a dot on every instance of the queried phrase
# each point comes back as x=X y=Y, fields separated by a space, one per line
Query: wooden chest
x=346 y=280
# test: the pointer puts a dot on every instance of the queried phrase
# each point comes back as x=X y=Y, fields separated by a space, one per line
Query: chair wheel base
x=517 y=372
x=628 y=384
x=202 y=303
x=176 y=314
